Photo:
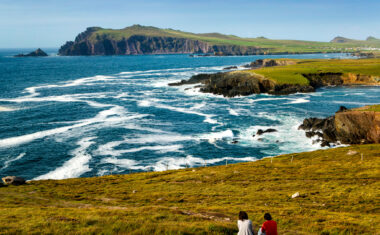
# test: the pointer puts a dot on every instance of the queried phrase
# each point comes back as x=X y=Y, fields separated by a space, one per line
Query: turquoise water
x=65 y=117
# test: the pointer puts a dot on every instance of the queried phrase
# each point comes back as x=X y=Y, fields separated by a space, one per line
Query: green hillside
x=338 y=188
x=272 y=46
x=293 y=74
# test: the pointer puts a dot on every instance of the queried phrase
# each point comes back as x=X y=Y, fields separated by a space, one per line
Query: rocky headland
x=289 y=76
x=354 y=126
x=140 y=40
x=36 y=53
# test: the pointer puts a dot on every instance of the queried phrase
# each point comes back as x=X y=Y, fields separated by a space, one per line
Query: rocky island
x=138 y=40
x=36 y=53
x=286 y=76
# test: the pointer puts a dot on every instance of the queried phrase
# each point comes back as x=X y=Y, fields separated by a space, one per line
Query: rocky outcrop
x=240 y=83
x=36 y=53
x=268 y=63
x=13 y=180
x=86 y=44
x=346 y=127
x=335 y=79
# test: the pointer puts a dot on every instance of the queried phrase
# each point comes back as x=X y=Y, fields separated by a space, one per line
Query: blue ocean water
x=63 y=117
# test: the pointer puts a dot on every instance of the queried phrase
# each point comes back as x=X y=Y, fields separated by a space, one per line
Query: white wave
x=8 y=162
x=161 y=138
x=108 y=149
x=74 y=167
x=153 y=71
x=233 y=112
x=214 y=136
x=198 y=106
x=171 y=163
x=115 y=114
x=351 y=102
x=266 y=99
x=151 y=102
x=298 y=101
x=78 y=82
x=6 y=109
x=286 y=139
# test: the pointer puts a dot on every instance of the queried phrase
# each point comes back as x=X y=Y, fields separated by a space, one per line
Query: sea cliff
x=355 y=126
x=141 y=42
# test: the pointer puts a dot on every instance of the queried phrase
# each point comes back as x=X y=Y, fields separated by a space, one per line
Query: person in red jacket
x=269 y=226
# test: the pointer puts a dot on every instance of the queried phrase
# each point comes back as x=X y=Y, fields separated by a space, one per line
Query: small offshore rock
x=260 y=131
x=13 y=180
x=36 y=53
x=230 y=67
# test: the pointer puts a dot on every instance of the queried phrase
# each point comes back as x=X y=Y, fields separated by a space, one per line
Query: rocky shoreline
x=246 y=82
x=356 y=126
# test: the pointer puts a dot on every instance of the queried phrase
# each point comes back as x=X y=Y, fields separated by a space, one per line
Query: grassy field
x=373 y=108
x=339 y=194
x=272 y=46
x=292 y=74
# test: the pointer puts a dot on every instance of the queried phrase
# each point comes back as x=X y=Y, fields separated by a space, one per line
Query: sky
x=50 y=23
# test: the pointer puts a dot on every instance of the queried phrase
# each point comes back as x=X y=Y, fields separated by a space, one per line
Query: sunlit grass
x=339 y=195
x=293 y=74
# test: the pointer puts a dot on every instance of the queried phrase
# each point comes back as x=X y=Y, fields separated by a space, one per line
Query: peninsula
x=138 y=40
x=286 y=76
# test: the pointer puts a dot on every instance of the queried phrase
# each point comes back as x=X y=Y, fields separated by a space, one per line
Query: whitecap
x=298 y=101
x=8 y=162
x=74 y=167
x=233 y=112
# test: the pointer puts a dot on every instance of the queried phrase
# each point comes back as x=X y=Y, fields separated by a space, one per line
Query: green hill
x=338 y=194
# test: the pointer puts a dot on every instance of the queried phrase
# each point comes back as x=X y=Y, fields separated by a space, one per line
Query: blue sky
x=49 y=23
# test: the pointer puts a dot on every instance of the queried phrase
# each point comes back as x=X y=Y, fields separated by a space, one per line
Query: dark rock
x=260 y=132
x=36 y=53
x=286 y=89
x=317 y=80
x=13 y=180
x=325 y=144
x=230 y=67
x=342 y=109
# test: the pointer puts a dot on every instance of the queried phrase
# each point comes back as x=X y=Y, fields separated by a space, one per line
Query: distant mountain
x=138 y=39
x=340 y=39
x=370 y=38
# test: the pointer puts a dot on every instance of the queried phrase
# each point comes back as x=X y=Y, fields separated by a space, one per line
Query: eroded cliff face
x=346 y=127
x=140 y=44
x=355 y=127
x=335 y=79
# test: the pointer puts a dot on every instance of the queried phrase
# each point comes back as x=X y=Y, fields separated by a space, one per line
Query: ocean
x=65 y=117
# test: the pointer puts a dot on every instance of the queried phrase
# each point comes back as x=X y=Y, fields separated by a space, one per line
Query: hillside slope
x=338 y=195
x=139 y=39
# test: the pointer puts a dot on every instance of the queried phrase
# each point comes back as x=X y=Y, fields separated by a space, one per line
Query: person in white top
x=244 y=224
